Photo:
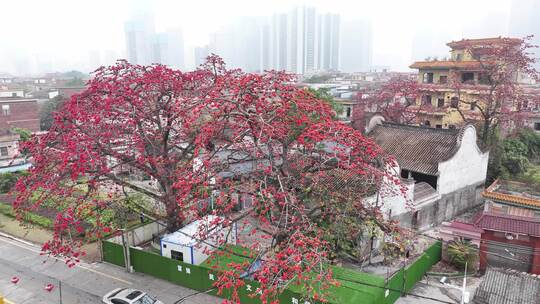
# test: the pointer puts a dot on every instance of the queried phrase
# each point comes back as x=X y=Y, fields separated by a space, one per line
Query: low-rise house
x=15 y=113
x=186 y=245
x=443 y=170
x=12 y=93
x=511 y=226
x=65 y=92
x=501 y=286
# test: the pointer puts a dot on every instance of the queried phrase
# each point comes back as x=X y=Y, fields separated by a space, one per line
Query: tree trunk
x=485 y=133
x=175 y=216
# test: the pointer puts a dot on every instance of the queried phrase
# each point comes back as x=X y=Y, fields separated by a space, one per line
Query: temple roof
x=464 y=43
x=446 y=64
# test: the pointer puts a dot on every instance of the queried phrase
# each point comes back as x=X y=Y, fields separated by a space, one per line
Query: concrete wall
x=392 y=201
x=139 y=235
x=467 y=167
x=446 y=208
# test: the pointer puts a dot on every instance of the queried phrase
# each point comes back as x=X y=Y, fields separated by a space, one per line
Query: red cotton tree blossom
x=500 y=98
x=394 y=100
x=211 y=140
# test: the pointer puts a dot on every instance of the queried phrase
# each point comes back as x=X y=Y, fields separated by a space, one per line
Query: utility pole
x=60 y=290
x=125 y=245
x=464 y=293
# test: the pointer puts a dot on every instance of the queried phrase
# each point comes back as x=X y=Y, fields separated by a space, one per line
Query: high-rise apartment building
x=145 y=46
x=356 y=46
x=140 y=39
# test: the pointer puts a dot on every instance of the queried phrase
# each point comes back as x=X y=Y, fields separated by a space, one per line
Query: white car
x=129 y=296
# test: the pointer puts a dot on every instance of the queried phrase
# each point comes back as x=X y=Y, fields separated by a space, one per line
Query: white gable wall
x=390 y=198
x=467 y=167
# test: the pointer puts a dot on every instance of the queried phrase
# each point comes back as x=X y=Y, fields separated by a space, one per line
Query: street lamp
x=464 y=294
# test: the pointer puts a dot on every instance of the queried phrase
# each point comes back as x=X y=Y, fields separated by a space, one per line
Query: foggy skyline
x=66 y=35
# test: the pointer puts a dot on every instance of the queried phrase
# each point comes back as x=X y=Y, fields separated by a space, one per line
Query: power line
x=392 y=289
x=479 y=250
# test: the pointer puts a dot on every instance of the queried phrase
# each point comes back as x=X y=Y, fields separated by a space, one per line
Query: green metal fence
x=113 y=253
x=415 y=271
x=355 y=287
x=406 y=278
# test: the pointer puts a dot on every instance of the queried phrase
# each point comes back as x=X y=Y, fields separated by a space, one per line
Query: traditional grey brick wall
x=444 y=209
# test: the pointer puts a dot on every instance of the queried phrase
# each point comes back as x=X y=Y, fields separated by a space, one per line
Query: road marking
x=5 y=301
x=63 y=260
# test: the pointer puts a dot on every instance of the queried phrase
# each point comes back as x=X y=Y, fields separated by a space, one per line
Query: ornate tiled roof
x=463 y=43
x=513 y=192
x=416 y=148
x=446 y=64
x=508 y=223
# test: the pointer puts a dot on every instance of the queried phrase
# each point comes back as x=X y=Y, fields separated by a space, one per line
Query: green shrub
x=29 y=217
x=514 y=158
x=531 y=139
x=7 y=181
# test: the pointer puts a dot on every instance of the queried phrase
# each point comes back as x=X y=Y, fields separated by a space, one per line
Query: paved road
x=432 y=288
x=83 y=284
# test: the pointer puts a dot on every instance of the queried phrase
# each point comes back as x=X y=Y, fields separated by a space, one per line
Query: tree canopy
x=209 y=140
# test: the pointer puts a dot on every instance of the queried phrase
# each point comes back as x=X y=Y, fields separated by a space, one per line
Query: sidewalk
x=85 y=283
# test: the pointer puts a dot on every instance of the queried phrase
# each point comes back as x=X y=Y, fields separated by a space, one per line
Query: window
x=443 y=79
x=438 y=126
x=134 y=295
x=4 y=151
x=428 y=77
x=349 y=111
x=145 y=300
x=5 y=110
x=13 y=94
x=440 y=102
x=484 y=78
x=458 y=57
x=177 y=255
x=452 y=127
x=427 y=123
x=414 y=220
x=426 y=99
x=473 y=105
x=467 y=77
x=405 y=173
x=454 y=102
x=537 y=126
x=164 y=245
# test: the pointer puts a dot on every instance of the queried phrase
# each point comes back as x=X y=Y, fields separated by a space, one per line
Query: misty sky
x=62 y=33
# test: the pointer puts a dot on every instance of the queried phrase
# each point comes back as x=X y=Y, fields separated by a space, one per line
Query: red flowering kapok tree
x=394 y=100
x=303 y=178
x=500 y=99
x=131 y=120
x=211 y=140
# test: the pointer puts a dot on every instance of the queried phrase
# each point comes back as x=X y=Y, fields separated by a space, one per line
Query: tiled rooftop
x=446 y=64
x=514 y=192
x=508 y=223
x=501 y=286
x=418 y=149
x=482 y=41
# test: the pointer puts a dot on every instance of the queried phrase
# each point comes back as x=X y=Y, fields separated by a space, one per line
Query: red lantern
x=49 y=287
x=14 y=280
